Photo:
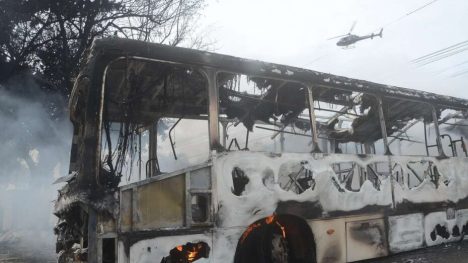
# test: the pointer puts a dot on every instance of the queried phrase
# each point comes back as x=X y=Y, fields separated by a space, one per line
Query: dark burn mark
x=302 y=209
x=311 y=210
x=456 y=231
x=332 y=254
x=368 y=233
x=240 y=180
x=465 y=228
x=439 y=231
x=363 y=156
x=464 y=231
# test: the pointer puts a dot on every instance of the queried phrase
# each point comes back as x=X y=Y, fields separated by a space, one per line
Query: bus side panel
x=365 y=239
x=330 y=240
x=443 y=227
x=349 y=239
x=405 y=232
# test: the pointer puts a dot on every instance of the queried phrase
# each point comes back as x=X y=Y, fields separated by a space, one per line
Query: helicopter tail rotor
x=380 y=33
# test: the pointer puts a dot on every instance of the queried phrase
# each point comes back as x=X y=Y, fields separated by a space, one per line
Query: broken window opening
x=454 y=131
x=239 y=181
x=410 y=128
x=352 y=175
x=273 y=113
x=121 y=152
x=379 y=171
x=418 y=171
x=296 y=177
x=348 y=122
x=185 y=144
x=155 y=119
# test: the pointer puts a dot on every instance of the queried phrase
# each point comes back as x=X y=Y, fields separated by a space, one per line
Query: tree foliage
x=49 y=37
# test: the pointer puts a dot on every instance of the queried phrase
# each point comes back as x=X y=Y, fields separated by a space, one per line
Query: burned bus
x=181 y=155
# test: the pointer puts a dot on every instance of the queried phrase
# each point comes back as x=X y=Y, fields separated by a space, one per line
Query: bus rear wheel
x=278 y=239
x=264 y=244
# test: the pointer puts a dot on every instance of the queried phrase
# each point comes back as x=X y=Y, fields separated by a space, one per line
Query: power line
x=409 y=13
x=451 y=67
x=443 y=56
x=441 y=51
x=424 y=6
x=459 y=74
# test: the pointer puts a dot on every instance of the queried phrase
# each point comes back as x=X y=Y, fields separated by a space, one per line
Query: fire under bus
x=181 y=155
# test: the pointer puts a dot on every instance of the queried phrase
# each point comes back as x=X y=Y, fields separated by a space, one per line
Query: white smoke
x=35 y=142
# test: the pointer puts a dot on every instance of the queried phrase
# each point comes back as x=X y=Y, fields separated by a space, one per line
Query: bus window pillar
x=313 y=123
x=153 y=151
x=383 y=126
x=213 y=109
x=437 y=132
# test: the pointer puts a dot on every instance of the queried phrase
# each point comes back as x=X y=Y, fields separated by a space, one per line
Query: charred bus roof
x=104 y=51
x=136 y=76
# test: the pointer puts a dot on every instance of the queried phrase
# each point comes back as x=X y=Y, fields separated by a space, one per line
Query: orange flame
x=283 y=231
x=270 y=219
x=192 y=255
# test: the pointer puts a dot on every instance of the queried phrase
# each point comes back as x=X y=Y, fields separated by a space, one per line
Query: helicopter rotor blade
x=352 y=27
x=338 y=36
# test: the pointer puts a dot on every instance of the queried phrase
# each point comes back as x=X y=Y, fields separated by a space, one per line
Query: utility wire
x=408 y=14
x=459 y=74
x=441 y=51
x=435 y=59
x=451 y=67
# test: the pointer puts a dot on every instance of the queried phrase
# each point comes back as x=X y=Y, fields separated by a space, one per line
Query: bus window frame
x=211 y=73
x=200 y=70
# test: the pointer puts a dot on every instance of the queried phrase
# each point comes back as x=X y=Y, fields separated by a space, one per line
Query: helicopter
x=349 y=39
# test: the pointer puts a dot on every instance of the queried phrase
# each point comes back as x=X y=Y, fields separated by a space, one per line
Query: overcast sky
x=295 y=33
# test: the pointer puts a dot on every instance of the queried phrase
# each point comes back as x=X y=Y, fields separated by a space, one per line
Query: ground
x=448 y=253
x=21 y=254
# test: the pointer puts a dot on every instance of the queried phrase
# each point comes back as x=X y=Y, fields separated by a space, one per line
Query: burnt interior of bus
x=166 y=104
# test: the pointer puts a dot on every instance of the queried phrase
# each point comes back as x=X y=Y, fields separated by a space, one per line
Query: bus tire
x=291 y=240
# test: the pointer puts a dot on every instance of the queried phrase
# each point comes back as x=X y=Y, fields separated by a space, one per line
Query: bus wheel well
x=296 y=232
